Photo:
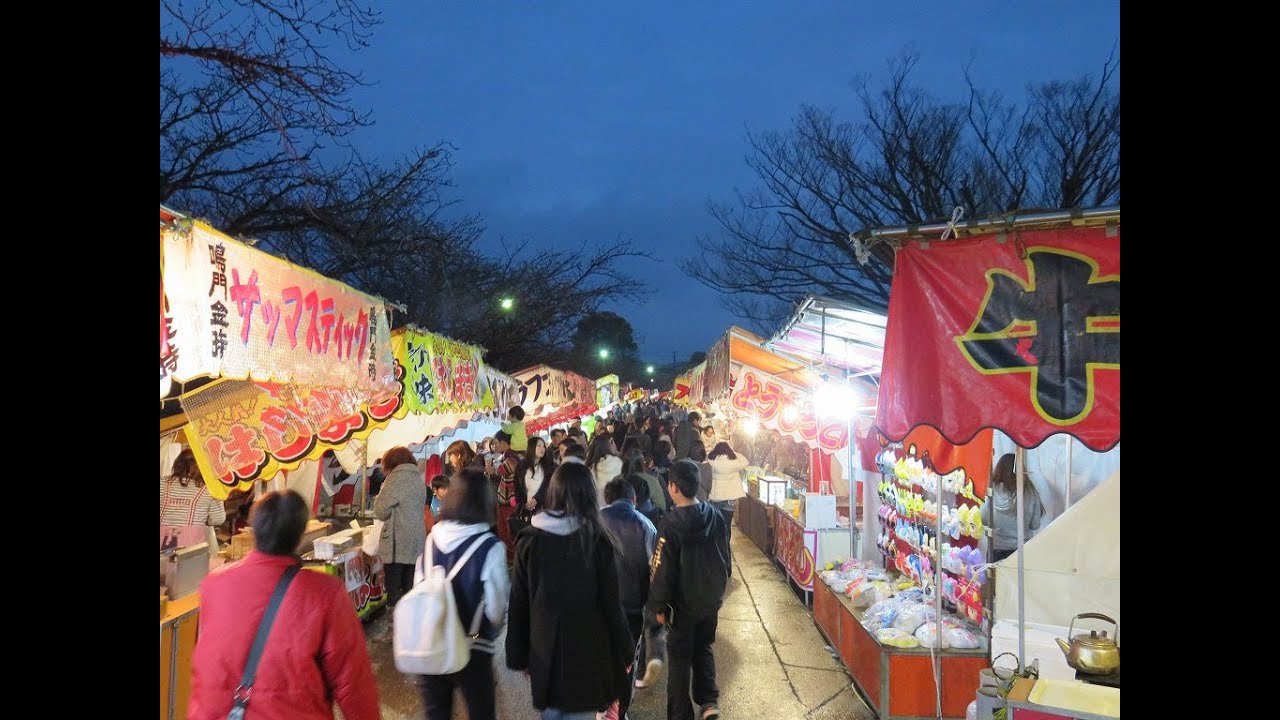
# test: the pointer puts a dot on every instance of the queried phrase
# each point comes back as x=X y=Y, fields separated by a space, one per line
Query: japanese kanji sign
x=237 y=312
x=1019 y=333
x=441 y=375
x=608 y=390
x=541 y=386
x=786 y=410
x=242 y=432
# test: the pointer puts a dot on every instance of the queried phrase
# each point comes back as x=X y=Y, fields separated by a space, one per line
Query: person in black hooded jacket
x=689 y=574
x=566 y=627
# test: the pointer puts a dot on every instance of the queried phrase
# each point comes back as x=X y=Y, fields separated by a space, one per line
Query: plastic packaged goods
x=927 y=634
x=960 y=638
x=896 y=638
x=912 y=615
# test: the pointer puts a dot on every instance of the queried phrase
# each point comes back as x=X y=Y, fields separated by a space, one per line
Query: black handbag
x=240 y=701
x=518 y=521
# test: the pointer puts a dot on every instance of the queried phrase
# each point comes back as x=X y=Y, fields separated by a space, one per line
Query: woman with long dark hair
x=566 y=628
x=604 y=462
x=533 y=478
x=1000 y=512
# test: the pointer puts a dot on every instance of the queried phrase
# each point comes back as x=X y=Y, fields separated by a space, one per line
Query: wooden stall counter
x=754 y=519
x=178 y=627
x=897 y=682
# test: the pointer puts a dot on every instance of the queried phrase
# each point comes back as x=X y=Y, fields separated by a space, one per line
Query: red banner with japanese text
x=237 y=312
x=786 y=410
x=242 y=432
x=1019 y=333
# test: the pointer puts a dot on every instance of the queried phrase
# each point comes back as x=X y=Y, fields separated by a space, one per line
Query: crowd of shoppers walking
x=606 y=557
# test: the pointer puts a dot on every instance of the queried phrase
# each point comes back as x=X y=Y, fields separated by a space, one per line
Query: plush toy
x=975 y=522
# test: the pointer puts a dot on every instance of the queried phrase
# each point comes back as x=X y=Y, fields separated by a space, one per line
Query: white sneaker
x=652 y=672
x=711 y=712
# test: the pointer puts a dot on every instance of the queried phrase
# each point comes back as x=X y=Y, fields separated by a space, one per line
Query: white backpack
x=428 y=638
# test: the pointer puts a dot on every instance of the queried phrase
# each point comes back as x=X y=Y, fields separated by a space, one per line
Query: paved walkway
x=771 y=661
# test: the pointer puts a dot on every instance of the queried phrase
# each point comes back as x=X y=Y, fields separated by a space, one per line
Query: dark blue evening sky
x=583 y=122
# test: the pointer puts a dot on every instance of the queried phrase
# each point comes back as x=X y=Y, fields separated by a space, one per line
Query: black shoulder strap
x=241 y=698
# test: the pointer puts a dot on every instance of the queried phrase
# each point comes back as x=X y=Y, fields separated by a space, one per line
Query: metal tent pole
x=937 y=596
x=1020 y=460
x=1069 y=446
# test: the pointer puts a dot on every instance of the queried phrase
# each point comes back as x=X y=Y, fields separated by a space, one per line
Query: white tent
x=1072 y=566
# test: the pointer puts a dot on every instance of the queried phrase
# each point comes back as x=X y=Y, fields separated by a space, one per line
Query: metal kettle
x=1094 y=654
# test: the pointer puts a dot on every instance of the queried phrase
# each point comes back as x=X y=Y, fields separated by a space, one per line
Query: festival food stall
x=1015 y=328
x=271 y=366
x=773 y=408
x=550 y=396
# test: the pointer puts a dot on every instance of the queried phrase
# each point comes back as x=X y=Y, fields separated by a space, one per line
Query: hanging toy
x=975 y=522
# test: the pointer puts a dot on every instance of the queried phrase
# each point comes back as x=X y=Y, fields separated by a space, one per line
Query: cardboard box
x=819 y=511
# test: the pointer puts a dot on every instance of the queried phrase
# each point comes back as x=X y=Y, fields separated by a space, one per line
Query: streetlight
x=649 y=369
x=508 y=303
x=604 y=353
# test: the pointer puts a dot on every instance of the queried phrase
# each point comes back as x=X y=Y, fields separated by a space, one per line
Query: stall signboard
x=506 y=390
x=541 y=386
x=608 y=390
x=441 y=375
x=717 y=380
x=242 y=432
x=363 y=576
x=582 y=390
x=796 y=549
x=784 y=409
x=168 y=352
x=1022 y=332
x=237 y=312
x=680 y=391
x=698 y=384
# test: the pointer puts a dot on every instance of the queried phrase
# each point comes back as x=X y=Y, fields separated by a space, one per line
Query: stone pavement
x=771 y=661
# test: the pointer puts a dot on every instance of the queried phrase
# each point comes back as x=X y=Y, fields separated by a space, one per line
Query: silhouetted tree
x=909 y=160
x=249 y=97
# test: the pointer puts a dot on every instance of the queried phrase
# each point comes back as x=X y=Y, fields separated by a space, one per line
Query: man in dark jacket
x=685 y=434
x=688 y=578
x=637 y=538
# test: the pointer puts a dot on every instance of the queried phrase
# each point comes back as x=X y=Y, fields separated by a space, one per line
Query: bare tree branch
x=909 y=160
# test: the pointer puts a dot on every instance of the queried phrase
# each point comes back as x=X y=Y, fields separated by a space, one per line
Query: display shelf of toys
x=912 y=495
x=882 y=616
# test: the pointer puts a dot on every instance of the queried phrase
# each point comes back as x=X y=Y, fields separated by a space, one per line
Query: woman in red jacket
x=315 y=654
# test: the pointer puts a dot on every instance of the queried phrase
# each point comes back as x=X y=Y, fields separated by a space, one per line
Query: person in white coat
x=604 y=462
x=726 y=480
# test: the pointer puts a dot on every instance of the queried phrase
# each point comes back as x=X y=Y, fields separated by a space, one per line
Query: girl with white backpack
x=463 y=552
